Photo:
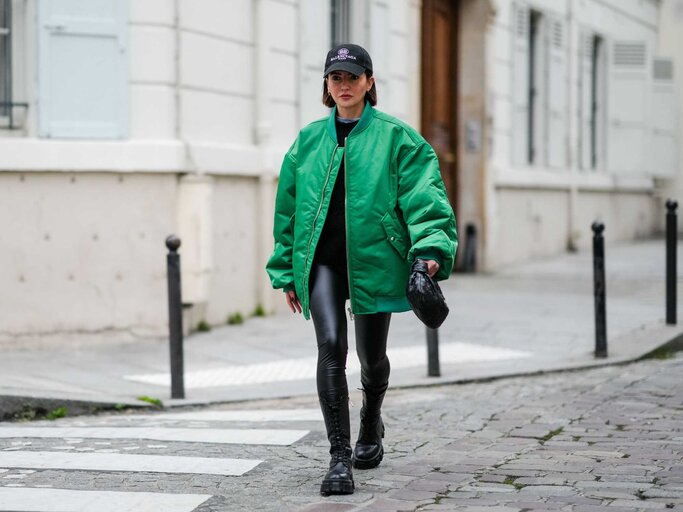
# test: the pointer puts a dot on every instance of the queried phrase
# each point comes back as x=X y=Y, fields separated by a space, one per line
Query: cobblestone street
x=602 y=439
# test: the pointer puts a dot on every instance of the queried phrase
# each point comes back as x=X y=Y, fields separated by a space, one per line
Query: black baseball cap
x=348 y=57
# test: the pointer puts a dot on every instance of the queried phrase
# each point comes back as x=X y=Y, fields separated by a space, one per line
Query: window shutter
x=629 y=91
x=83 y=68
x=585 y=97
x=663 y=155
x=557 y=95
x=314 y=35
x=520 y=83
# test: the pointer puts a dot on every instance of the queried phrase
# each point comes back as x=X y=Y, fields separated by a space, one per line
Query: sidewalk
x=529 y=318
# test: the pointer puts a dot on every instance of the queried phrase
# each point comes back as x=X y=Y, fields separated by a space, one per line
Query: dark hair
x=370 y=96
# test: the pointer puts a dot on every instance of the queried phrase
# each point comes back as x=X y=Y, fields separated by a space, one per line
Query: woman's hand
x=432 y=267
x=293 y=301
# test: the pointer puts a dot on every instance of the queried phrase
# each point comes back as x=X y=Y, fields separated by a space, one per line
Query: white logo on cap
x=343 y=54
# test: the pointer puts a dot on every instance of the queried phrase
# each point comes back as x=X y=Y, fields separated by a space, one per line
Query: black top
x=331 y=248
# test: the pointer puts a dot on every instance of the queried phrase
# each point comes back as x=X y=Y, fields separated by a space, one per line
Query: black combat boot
x=369 y=451
x=339 y=479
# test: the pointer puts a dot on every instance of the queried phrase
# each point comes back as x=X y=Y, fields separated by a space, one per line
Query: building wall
x=547 y=207
x=83 y=252
x=216 y=94
x=671 y=45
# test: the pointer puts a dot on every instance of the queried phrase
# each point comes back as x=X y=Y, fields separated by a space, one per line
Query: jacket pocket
x=396 y=235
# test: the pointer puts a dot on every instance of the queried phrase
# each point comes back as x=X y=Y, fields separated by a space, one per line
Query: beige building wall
x=671 y=45
x=217 y=93
x=545 y=208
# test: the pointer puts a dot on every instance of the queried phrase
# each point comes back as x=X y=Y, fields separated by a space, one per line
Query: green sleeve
x=426 y=209
x=279 y=266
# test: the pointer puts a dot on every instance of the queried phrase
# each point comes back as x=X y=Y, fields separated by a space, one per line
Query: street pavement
x=608 y=438
x=523 y=319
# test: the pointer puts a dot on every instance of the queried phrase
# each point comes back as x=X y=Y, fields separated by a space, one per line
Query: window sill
x=560 y=179
x=164 y=156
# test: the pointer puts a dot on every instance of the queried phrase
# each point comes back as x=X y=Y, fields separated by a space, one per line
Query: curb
x=29 y=408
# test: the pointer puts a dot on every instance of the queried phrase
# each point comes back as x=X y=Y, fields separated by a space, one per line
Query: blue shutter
x=83 y=69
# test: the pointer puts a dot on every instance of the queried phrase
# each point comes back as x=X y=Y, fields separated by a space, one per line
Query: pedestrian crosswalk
x=112 y=444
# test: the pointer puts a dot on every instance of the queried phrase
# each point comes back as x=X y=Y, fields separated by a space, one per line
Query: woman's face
x=348 y=91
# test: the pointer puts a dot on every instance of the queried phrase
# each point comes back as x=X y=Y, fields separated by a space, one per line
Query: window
x=5 y=58
x=341 y=21
x=596 y=100
x=535 y=90
x=592 y=104
x=8 y=72
x=538 y=88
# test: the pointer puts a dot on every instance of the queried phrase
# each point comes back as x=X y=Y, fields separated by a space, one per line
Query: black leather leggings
x=328 y=294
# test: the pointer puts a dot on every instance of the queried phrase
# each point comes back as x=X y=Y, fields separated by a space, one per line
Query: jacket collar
x=363 y=122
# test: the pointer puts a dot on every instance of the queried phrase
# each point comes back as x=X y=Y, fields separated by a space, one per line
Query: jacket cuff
x=289 y=288
x=430 y=256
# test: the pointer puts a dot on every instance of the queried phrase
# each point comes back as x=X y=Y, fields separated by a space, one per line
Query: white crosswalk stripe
x=256 y=415
x=305 y=368
x=60 y=500
x=281 y=437
x=127 y=462
x=21 y=466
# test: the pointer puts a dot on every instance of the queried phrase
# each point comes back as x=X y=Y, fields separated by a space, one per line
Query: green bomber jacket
x=397 y=209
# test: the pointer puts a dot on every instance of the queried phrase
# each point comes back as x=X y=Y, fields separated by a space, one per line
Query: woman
x=360 y=197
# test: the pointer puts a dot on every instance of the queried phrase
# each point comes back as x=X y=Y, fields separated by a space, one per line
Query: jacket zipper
x=315 y=219
x=346 y=226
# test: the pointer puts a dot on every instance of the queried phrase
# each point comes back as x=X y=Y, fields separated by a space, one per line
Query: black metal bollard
x=433 y=369
x=469 y=263
x=175 y=317
x=599 y=289
x=671 y=249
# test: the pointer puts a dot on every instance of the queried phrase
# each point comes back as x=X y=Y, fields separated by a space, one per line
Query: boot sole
x=330 y=487
x=368 y=464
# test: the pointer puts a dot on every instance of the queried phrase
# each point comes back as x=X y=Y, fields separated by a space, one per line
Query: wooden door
x=439 y=86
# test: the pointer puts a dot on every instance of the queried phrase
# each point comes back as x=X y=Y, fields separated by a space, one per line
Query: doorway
x=439 y=87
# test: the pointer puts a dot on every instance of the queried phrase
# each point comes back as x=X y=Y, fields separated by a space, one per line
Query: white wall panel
x=152 y=54
x=284 y=76
x=501 y=82
x=216 y=64
x=213 y=117
x=314 y=38
x=236 y=214
x=281 y=24
x=231 y=19
x=152 y=112
x=284 y=123
x=398 y=56
x=71 y=255
x=152 y=11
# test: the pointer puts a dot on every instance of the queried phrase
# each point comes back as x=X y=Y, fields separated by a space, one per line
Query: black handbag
x=425 y=296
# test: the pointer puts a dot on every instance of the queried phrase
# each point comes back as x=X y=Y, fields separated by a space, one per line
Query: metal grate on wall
x=630 y=54
x=522 y=21
x=558 y=34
